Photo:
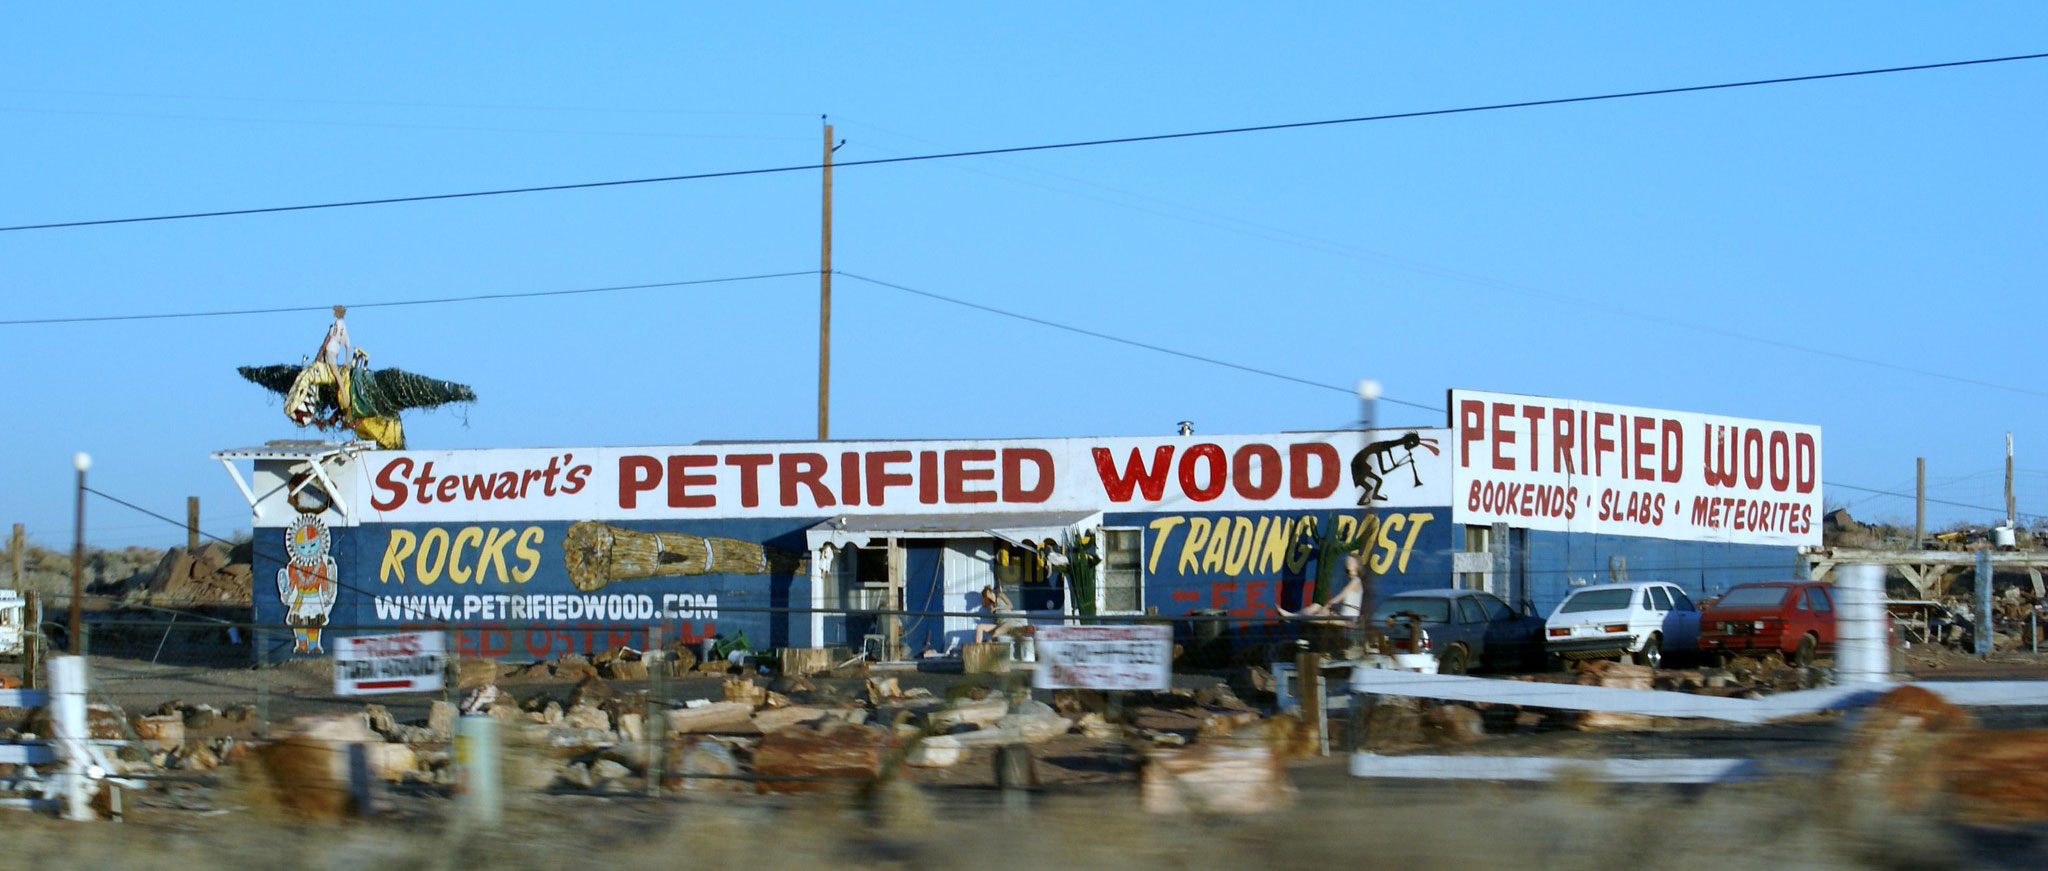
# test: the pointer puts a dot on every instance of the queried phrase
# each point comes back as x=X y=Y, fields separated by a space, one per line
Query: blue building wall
x=1555 y=563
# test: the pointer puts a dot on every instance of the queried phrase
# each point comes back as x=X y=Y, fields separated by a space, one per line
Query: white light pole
x=80 y=461
x=1368 y=397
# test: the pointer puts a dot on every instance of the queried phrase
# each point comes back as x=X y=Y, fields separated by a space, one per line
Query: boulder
x=709 y=717
x=625 y=669
x=1224 y=721
x=307 y=763
x=938 y=751
x=1094 y=726
x=1035 y=722
x=606 y=769
x=679 y=660
x=882 y=690
x=1391 y=721
x=705 y=766
x=391 y=762
x=161 y=731
x=1219 y=777
x=587 y=717
x=576 y=775
x=810 y=760
x=744 y=690
x=981 y=739
x=974 y=713
x=1254 y=685
x=1452 y=724
x=380 y=720
x=471 y=673
x=592 y=691
x=1620 y=675
x=573 y=667
x=441 y=719
x=777 y=719
x=565 y=742
x=201 y=717
x=632 y=726
x=1220 y=696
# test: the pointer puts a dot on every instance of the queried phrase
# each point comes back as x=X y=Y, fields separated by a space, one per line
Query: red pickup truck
x=1796 y=618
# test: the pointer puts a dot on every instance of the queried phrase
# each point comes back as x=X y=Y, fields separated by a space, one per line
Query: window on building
x=1120 y=578
x=1024 y=578
x=857 y=578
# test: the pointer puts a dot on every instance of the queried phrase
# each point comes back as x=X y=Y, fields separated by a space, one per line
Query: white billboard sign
x=1104 y=658
x=1565 y=465
x=405 y=662
x=1337 y=469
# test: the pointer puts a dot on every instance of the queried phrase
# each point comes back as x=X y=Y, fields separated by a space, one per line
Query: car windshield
x=1431 y=609
x=1598 y=600
x=1752 y=597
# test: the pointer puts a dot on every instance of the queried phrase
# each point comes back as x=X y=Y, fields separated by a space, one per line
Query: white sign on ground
x=406 y=662
x=1104 y=658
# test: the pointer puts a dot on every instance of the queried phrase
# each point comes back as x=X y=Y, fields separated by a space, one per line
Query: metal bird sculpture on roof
x=338 y=389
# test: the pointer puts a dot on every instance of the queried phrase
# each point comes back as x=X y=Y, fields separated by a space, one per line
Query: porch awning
x=860 y=530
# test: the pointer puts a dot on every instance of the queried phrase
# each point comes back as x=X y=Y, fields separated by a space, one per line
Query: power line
x=1020 y=149
x=279 y=556
x=405 y=302
x=1268 y=232
x=1998 y=510
x=1121 y=340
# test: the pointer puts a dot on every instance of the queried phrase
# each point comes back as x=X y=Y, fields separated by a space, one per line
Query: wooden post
x=191 y=524
x=825 y=300
x=1919 y=503
x=654 y=716
x=1308 y=689
x=16 y=546
x=1982 y=631
x=31 y=637
x=893 y=625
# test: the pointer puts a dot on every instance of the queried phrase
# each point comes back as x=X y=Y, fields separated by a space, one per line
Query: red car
x=1796 y=618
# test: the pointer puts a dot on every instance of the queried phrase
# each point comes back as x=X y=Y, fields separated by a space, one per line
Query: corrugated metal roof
x=292 y=449
x=939 y=524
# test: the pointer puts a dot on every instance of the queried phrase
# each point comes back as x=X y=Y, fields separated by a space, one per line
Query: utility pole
x=82 y=461
x=825 y=300
x=2012 y=516
x=1919 y=503
x=14 y=548
x=191 y=524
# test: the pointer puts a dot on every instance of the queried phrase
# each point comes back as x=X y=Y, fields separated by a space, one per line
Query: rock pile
x=213 y=574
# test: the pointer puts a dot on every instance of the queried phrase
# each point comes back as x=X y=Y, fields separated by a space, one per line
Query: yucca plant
x=1081 y=563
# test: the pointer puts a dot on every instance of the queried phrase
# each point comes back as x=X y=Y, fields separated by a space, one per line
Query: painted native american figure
x=1374 y=461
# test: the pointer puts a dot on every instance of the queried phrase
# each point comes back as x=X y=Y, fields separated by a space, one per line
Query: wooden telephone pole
x=825 y=301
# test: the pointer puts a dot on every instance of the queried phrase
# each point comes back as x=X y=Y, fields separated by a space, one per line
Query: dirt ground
x=1084 y=817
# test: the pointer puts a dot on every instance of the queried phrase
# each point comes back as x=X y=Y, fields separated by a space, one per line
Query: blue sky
x=1602 y=251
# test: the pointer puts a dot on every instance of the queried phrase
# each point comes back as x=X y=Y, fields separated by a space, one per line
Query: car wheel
x=1802 y=655
x=1453 y=661
x=1652 y=653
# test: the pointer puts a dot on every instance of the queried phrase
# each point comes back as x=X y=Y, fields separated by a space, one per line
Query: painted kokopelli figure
x=1377 y=459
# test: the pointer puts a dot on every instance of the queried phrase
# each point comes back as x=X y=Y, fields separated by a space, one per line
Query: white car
x=1642 y=620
